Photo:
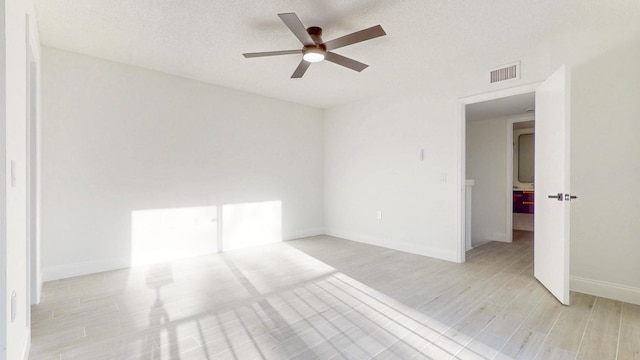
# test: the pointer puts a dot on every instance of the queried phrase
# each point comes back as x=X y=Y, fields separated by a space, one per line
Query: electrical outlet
x=379 y=215
x=443 y=177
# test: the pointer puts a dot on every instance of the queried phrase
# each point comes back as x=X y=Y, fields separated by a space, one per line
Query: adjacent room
x=320 y=180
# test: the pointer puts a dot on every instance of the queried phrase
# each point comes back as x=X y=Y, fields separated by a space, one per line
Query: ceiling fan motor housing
x=316 y=34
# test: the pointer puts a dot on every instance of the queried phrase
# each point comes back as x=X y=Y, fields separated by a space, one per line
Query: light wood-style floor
x=327 y=298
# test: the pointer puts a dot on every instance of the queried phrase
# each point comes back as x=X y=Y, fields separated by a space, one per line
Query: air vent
x=505 y=72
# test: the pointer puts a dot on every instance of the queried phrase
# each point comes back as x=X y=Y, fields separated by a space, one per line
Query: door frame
x=510 y=170
x=32 y=157
x=462 y=126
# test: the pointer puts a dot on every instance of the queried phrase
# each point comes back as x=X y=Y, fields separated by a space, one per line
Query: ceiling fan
x=315 y=49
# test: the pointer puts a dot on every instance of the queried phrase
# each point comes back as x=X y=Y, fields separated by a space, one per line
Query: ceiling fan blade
x=272 y=53
x=345 y=61
x=356 y=37
x=295 y=25
x=301 y=69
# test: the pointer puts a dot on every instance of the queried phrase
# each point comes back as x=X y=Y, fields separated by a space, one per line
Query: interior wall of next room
x=486 y=164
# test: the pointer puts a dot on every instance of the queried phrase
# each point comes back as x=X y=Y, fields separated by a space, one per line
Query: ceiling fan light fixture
x=315 y=49
x=314 y=54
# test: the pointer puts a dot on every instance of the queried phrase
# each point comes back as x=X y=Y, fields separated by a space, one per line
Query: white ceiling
x=205 y=39
x=501 y=108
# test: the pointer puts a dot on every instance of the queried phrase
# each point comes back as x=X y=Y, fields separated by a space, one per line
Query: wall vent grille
x=504 y=73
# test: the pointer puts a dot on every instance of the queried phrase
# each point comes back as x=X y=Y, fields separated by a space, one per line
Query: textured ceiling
x=205 y=39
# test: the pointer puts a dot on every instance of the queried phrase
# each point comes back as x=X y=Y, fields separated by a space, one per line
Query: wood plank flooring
x=328 y=298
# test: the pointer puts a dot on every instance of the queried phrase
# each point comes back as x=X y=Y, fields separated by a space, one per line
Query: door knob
x=557 y=196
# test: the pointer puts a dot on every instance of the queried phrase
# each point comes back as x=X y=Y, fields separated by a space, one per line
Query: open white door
x=551 y=221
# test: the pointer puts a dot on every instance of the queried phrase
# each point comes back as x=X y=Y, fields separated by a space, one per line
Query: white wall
x=371 y=153
x=373 y=163
x=119 y=139
x=605 y=174
x=14 y=335
x=3 y=185
x=486 y=163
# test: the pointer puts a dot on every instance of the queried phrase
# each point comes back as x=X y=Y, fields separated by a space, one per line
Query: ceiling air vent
x=505 y=72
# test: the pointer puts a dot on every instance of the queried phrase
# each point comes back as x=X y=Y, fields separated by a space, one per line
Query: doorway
x=502 y=191
x=552 y=174
x=522 y=184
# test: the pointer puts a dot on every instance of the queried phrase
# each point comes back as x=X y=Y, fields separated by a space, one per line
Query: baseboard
x=473 y=246
x=92 y=267
x=39 y=292
x=304 y=234
x=82 y=268
x=27 y=346
x=395 y=245
x=606 y=289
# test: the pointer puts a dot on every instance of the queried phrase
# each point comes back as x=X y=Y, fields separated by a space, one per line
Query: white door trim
x=462 y=103
x=33 y=159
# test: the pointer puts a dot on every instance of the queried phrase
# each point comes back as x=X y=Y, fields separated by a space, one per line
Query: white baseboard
x=39 y=292
x=303 y=234
x=395 y=245
x=82 y=268
x=606 y=289
x=91 y=267
x=35 y=298
x=473 y=246
x=27 y=346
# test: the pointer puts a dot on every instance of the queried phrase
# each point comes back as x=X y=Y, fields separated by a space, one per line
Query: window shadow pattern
x=321 y=298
